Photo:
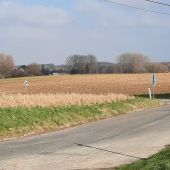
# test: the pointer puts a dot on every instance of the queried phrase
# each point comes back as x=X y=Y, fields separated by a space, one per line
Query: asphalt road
x=101 y=144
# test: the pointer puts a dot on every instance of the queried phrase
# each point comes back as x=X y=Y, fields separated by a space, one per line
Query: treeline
x=83 y=64
x=139 y=63
x=9 y=69
x=35 y=69
x=125 y=63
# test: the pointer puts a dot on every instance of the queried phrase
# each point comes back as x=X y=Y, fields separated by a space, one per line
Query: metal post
x=153 y=91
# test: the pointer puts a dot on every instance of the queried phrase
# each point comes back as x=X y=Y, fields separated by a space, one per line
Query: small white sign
x=26 y=83
x=150 y=93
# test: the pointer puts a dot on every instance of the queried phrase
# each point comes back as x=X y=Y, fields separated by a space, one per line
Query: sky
x=48 y=31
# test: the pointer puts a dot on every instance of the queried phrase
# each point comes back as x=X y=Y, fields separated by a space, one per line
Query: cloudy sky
x=47 y=31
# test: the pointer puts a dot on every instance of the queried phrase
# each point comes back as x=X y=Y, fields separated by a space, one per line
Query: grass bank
x=160 y=161
x=19 y=121
x=157 y=96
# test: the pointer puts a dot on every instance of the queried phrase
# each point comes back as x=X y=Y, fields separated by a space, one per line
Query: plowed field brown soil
x=88 y=84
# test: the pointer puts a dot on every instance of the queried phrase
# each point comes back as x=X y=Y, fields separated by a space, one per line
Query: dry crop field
x=53 y=100
x=87 y=84
x=69 y=100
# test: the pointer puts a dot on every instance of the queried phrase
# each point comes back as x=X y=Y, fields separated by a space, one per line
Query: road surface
x=102 y=144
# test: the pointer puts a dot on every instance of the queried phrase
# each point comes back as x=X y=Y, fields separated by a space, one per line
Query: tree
x=91 y=64
x=106 y=68
x=157 y=68
x=124 y=63
x=34 y=69
x=19 y=72
x=45 y=71
x=132 y=63
x=7 y=65
x=81 y=64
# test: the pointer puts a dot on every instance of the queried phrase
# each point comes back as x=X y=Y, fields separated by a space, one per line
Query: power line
x=137 y=8
x=156 y=2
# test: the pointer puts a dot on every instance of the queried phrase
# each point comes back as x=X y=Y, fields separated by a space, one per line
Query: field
x=61 y=101
x=54 y=100
x=87 y=84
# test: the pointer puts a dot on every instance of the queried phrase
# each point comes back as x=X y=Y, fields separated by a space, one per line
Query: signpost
x=154 y=82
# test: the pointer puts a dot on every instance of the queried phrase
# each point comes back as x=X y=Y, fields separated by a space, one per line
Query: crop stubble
x=87 y=84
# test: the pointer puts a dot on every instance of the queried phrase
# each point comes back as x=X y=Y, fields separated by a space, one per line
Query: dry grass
x=45 y=100
x=89 y=84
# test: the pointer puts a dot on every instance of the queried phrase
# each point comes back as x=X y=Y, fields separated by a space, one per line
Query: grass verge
x=15 y=122
x=160 y=161
x=157 y=96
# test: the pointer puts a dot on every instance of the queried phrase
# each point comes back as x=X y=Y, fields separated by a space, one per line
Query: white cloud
x=107 y=14
x=34 y=16
x=37 y=33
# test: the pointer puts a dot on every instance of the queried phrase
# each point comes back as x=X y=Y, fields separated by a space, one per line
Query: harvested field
x=87 y=84
x=45 y=100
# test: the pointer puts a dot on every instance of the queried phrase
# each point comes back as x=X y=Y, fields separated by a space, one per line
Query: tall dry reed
x=46 y=100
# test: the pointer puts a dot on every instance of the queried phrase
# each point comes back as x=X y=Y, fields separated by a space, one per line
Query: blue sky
x=48 y=31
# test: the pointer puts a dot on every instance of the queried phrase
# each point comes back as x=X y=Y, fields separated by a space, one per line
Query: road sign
x=154 y=80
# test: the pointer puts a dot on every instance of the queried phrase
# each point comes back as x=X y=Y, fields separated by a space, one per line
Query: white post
x=150 y=93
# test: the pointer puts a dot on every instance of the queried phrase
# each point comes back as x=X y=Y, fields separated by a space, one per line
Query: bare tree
x=124 y=62
x=157 y=68
x=82 y=64
x=139 y=63
x=34 y=69
x=91 y=63
x=132 y=63
x=7 y=65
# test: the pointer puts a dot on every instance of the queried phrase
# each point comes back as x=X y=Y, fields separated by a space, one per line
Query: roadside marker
x=26 y=84
x=150 y=93
x=154 y=82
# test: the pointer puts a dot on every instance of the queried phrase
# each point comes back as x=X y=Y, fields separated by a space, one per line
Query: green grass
x=19 y=121
x=160 y=161
x=157 y=96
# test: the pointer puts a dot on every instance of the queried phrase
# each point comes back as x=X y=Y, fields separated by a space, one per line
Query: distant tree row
x=9 y=69
x=83 y=64
x=33 y=69
x=138 y=63
x=125 y=63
